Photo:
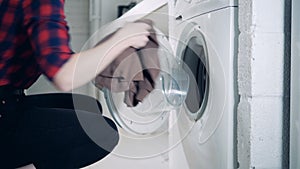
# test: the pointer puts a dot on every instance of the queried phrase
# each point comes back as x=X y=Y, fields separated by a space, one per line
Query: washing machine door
x=206 y=124
x=151 y=115
x=192 y=50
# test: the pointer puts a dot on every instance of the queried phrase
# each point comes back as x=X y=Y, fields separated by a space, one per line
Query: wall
x=263 y=85
x=295 y=88
x=103 y=11
x=110 y=9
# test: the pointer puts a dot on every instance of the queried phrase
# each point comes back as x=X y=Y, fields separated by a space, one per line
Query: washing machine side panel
x=214 y=146
x=223 y=33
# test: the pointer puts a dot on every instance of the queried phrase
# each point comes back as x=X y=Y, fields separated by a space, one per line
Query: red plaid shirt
x=34 y=39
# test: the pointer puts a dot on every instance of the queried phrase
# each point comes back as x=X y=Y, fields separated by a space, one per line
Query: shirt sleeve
x=44 y=21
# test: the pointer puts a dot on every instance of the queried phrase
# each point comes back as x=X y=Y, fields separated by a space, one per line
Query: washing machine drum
x=151 y=115
x=192 y=50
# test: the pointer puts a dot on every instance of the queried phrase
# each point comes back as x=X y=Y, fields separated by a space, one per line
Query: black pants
x=45 y=130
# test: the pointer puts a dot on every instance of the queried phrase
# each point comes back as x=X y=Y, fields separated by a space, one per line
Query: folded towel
x=133 y=72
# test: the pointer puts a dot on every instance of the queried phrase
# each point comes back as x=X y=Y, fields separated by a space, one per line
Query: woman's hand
x=83 y=66
x=134 y=35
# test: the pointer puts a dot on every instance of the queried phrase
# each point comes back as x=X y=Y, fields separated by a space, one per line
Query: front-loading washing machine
x=144 y=128
x=204 y=36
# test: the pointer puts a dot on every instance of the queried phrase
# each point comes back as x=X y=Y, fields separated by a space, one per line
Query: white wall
x=262 y=84
x=295 y=88
x=110 y=9
x=104 y=11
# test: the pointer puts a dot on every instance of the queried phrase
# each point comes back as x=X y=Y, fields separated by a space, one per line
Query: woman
x=44 y=129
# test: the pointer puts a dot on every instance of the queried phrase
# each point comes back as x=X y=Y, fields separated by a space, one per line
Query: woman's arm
x=84 y=66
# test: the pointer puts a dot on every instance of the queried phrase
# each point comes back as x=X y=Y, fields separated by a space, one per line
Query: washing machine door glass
x=193 y=51
x=151 y=115
x=133 y=119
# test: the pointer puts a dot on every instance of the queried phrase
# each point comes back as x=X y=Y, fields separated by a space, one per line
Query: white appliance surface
x=208 y=134
x=191 y=8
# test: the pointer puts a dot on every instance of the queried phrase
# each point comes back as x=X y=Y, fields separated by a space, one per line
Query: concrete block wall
x=262 y=84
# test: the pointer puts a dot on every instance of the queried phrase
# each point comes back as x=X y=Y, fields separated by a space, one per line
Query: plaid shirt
x=34 y=39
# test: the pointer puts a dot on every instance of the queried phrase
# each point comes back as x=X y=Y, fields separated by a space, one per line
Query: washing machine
x=143 y=129
x=204 y=36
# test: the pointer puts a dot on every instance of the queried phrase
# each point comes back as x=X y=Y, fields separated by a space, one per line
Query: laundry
x=133 y=72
